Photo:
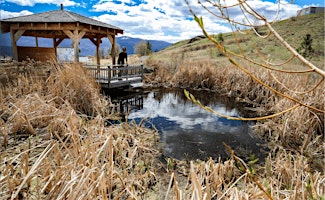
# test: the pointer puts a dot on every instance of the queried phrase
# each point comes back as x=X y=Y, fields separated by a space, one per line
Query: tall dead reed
x=64 y=153
x=70 y=83
x=300 y=132
x=54 y=149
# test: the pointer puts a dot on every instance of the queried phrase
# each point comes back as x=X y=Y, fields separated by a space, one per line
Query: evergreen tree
x=306 y=49
x=220 y=38
x=149 y=47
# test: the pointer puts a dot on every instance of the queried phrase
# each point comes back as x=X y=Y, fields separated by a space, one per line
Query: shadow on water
x=188 y=132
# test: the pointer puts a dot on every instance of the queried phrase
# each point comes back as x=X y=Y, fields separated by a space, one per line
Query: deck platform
x=115 y=76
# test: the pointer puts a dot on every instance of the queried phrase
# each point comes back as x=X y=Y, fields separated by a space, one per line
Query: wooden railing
x=116 y=75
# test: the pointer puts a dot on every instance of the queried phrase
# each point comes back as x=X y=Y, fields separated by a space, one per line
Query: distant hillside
x=86 y=46
x=293 y=30
x=130 y=43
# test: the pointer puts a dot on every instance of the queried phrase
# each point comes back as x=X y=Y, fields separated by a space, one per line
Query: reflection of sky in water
x=185 y=116
x=186 y=130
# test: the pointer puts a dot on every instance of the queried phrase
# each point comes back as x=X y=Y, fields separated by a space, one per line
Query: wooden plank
x=37 y=53
x=122 y=83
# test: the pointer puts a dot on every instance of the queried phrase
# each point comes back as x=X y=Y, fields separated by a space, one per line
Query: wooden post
x=76 y=50
x=15 y=35
x=75 y=37
x=142 y=73
x=109 y=76
x=14 y=45
x=98 y=50
x=56 y=43
x=36 y=40
x=113 y=52
x=112 y=39
x=97 y=43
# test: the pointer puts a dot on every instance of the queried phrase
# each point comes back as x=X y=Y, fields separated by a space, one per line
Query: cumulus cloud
x=168 y=20
x=170 y=109
x=5 y=14
x=33 y=2
x=164 y=20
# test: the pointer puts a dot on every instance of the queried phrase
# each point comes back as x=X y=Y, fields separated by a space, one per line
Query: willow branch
x=252 y=25
x=294 y=52
x=257 y=79
x=222 y=50
x=225 y=6
x=284 y=43
x=270 y=68
x=222 y=16
x=280 y=64
x=297 y=92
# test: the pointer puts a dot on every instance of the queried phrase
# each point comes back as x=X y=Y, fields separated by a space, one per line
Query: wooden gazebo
x=59 y=25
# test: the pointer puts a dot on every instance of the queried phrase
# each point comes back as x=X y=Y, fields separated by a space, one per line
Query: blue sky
x=167 y=20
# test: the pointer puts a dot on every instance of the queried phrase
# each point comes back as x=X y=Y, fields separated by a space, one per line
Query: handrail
x=116 y=73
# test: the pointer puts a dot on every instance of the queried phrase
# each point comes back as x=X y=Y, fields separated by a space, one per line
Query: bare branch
x=248 y=12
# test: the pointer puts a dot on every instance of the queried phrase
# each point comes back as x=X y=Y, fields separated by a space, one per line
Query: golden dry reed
x=55 y=144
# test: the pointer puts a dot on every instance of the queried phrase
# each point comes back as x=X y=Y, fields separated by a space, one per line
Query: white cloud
x=170 y=20
x=33 y=2
x=5 y=14
x=161 y=20
x=182 y=114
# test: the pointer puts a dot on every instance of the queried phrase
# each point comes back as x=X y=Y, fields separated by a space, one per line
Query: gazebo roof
x=59 y=25
x=57 y=16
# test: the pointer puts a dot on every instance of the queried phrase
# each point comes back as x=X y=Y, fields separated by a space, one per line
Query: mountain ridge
x=87 y=48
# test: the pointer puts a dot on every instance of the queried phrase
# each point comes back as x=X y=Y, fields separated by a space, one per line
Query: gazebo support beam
x=36 y=41
x=97 y=43
x=56 y=43
x=112 y=39
x=14 y=38
x=75 y=37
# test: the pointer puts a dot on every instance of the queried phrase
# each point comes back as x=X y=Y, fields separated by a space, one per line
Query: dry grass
x=55 y=145
x=63 y=151
x=296 y=138
x=297 y=130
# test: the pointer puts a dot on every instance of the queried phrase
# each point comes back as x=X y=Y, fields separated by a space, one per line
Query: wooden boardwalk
x=115 y=76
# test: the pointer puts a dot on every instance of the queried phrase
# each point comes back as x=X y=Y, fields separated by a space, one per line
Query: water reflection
x=189 y=132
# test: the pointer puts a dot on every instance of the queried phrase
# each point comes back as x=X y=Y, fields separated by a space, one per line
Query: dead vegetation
x=296 y=138
x=55 y=145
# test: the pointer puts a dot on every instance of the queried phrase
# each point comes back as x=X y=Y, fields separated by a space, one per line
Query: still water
x=188 y=132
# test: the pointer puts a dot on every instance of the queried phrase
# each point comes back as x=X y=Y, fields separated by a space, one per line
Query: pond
x=186 y=131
